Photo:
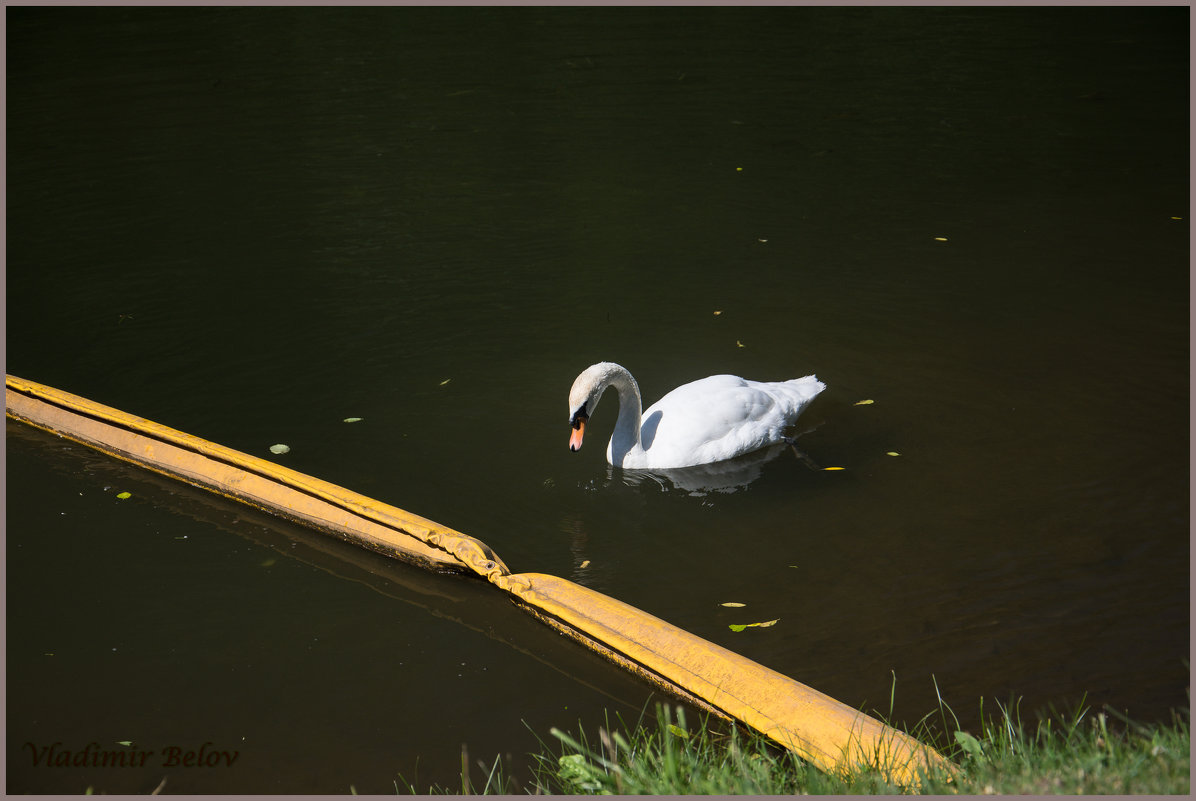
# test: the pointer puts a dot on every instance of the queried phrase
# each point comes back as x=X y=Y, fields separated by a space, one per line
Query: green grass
x=1079 y=752
x=672 y=758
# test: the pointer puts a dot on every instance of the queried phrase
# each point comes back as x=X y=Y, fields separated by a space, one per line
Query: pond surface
x=251 y=224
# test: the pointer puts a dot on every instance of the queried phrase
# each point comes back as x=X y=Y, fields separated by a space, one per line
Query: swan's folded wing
x=710 y=421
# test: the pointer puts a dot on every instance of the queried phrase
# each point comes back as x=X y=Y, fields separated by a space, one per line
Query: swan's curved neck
x=627 y=428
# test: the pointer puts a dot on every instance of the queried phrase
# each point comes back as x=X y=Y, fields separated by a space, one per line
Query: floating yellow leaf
x=739 y=169
x=584 y=564
x=717 y=312
x=834 y=468
x=863 y=403
x=940 y=239
x=123 y=495
x=761 y=241
x=353 y=419
x=739 y=344
x=280 y=449
x=445 y=381
x=892 y=453
x=732 y=603
x=1174 y=218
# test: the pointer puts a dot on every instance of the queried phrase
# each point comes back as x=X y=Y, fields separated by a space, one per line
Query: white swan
x=705 y=421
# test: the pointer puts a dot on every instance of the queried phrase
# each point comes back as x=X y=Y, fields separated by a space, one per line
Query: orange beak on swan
x=579 y=431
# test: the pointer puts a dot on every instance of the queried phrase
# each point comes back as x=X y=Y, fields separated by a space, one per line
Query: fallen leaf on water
x=353 y=419
x=834 y=468
x=863 y=403
x=584 y=564
x=732 y=603
x=892 y=453
x=742 y=626
x=124 y=742
x=123 y=495
x=445 y=381
x=940 y=239
x=717 y=312
x=280 y=449
x=739 y=344
x=1174 y=218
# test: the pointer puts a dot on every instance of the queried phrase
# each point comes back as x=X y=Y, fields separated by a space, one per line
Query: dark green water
x=250 y=224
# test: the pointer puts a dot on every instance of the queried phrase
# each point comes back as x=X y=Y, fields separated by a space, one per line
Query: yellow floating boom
x=828 y=734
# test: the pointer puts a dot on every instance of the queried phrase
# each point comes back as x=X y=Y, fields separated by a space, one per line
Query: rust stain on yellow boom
x=823 y=731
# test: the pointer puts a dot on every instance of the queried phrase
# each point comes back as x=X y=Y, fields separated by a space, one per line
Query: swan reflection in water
x=727 y=476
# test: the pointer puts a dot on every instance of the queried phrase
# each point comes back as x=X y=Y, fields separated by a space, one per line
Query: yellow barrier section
x=246 y=478
x=825 y=732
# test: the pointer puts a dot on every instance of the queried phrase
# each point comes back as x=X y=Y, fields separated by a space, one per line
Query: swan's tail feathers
x=807 y=386
x=800 y=392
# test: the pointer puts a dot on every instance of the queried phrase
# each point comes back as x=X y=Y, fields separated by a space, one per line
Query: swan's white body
x=702 y=422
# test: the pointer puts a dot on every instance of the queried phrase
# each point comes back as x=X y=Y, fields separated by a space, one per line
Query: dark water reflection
x=250 y=224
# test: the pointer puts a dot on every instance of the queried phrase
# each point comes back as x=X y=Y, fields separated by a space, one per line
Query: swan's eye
x=579 y=418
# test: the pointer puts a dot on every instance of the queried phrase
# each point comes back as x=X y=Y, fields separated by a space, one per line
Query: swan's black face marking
x=579 y=418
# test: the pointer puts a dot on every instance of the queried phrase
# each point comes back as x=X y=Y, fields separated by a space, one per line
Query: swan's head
x=584 y=396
